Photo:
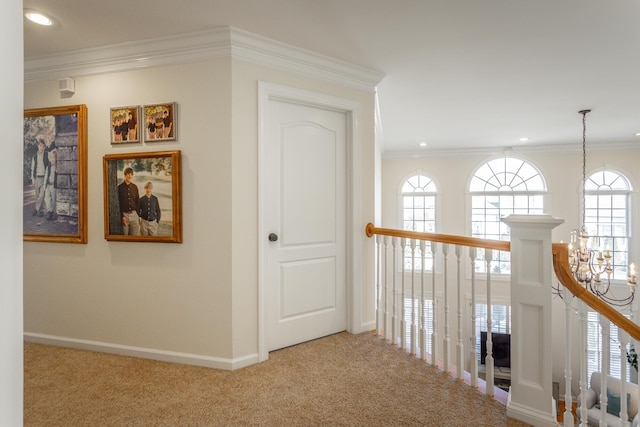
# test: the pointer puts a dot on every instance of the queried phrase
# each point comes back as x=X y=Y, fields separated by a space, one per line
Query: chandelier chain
x=591 y=265
x=584 y=167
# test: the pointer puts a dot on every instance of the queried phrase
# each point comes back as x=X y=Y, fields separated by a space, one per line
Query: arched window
x=607 y=195
x=607 y=216
x=418 y=204
x=499 y=188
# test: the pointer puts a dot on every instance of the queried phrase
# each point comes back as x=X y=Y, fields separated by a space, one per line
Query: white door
x=305 y=190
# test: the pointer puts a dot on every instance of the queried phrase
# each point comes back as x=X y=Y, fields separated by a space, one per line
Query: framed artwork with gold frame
x=55 y=174
x=143 y=197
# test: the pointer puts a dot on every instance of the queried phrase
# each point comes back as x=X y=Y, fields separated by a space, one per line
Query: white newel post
x=531 y=397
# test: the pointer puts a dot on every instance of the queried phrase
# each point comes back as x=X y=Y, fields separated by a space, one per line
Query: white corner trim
x=217 y=43
x=145 y=353
x=261 y=50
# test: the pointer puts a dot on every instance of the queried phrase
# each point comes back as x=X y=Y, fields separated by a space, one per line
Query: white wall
x=159 y=296
x=563 y=174
x=194 y=302
x=11 y=357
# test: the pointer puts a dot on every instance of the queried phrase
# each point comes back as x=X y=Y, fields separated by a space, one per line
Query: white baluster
x=488 y=257
x=394 y=306
x=378 y=278
x=386 y=319
x=582 y=318
x=623 y=337
x=423 y=329
x=435 y=345
x=567 y=297
x=606 y=344
x=460 y=346
x=447 y=339
x=403 y=323
x=473 y=354
x=413 y=297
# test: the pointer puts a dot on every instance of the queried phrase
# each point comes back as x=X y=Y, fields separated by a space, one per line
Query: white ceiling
x=460 y=74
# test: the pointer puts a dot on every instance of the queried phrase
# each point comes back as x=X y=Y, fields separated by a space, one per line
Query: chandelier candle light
x=591 y=267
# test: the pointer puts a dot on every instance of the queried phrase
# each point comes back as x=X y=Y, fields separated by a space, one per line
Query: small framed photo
x=142 y=197
x=160 y=122
x=125 y=127
x=55 y=174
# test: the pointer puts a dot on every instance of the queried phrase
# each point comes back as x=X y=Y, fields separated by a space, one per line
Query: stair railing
x=628 y=333
x=531 y=235
x=395 y=285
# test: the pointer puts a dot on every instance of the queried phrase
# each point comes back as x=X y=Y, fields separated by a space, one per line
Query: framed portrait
x=125 y=127
x=55 y=174
x=142 y=197
x=160 y=122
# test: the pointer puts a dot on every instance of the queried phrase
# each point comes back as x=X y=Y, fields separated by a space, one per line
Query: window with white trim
x=500 y=321
x=594 y=348
x=428 y=319
x=607 y=216
x=499 y=188
x=418 y=202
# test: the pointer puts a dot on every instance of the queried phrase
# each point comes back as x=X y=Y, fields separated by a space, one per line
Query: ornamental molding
x=217 y=43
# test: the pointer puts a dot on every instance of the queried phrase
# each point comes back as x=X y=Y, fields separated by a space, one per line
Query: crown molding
x=217 y=43
x=546 y=148
x=251 y=47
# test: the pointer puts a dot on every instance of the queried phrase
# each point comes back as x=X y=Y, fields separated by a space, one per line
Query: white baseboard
x=367 y=326
x=145 y=353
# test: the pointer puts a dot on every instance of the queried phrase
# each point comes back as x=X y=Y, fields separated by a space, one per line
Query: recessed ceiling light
x=38 y=17
x=524 y=139
x=637 y=134
x=423 y=144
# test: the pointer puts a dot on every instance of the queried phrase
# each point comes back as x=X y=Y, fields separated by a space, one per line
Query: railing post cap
x=545 y=220
x=369 y=229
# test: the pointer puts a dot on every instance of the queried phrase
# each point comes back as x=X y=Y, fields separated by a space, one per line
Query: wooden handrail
x=560 y=265
x=563 y=273
x=441 y=238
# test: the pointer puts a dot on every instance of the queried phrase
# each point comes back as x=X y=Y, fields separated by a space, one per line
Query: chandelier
x=591 y=264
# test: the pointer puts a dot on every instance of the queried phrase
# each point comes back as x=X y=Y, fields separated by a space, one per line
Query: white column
x=435 y=345
x=403 y=322
x=447 y=339
x=460 y=344
x=582 y=318
x=488 y=362
x=531 y=397
x=413 y=297
x=379 y=262
x=567 y=297
x=423 y=329
x=394 y=304
x=386 y=321
x=473 y=356
x=11 y=118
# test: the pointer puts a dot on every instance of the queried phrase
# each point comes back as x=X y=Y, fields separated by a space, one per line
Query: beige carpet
x=343 y=379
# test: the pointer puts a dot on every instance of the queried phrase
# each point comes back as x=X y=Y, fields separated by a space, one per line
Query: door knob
x=273 y=237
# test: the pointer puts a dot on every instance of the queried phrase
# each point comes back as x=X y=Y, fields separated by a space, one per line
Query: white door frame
x=266 y=93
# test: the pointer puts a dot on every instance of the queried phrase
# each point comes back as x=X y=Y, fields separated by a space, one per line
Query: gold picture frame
x=143 y=197
x=55 y=174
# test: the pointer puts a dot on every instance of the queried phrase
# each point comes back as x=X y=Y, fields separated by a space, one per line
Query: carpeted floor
x=340 y=380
